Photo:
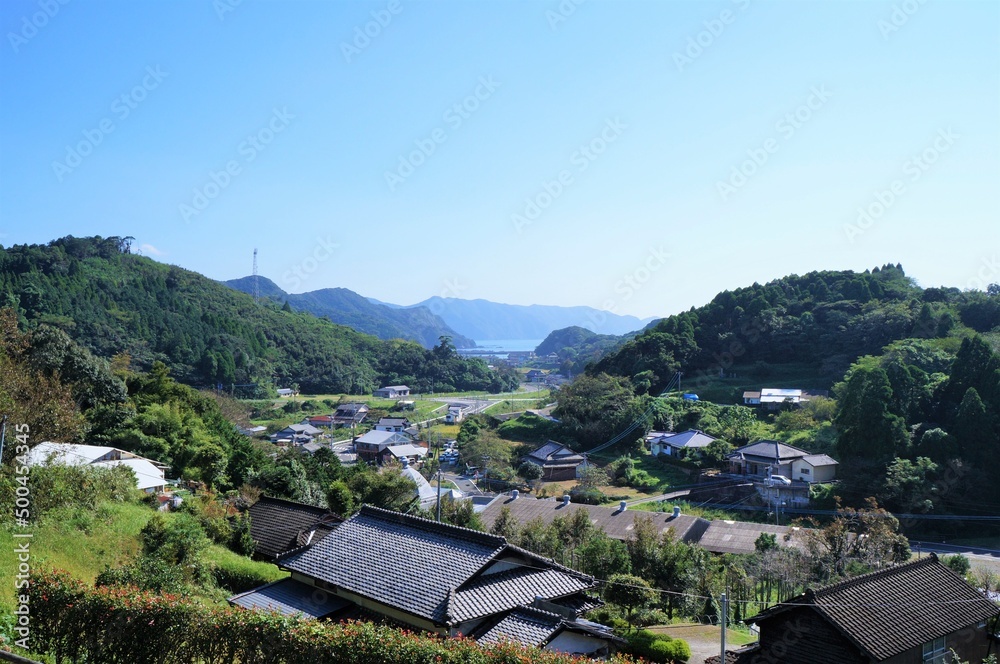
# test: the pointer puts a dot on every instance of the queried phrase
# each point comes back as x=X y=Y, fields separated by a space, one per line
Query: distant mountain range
x=346 y=307
x=485 y=321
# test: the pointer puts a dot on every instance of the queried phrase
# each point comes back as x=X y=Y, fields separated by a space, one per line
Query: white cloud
x=150 y=250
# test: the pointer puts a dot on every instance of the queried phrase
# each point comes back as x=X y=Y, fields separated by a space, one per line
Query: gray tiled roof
x=555 y=452
x=290 y=597
x=405 y=562
x=614 y=522
x=820 y=460
x=769 y=449
x=276 y=525
x=893 y=610
x=494 y=593
x=741 y=536
x=526 y=625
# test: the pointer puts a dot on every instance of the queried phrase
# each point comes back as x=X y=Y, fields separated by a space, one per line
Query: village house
x=766 y=458
x=369 y=447
x=348 y=414
x=535 y=376
x=456 y=413
x=295 y=434
x=393 y=392
x=717 y=536
x=320 y=421
x=557 y=461
x=775 y=398
x=677 y=444
x=437 y=578
x=397 y=424
x=149 y=474
x=413 y=454
x=279 y=526
x=916 y=612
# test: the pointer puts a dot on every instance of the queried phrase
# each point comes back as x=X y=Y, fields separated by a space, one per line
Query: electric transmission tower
x=256 y=278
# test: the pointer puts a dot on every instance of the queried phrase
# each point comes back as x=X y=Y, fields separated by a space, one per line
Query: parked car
x=780 y=479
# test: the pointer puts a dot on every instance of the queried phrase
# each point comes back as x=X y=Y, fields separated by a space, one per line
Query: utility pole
x=725 y=615
x=439 y=493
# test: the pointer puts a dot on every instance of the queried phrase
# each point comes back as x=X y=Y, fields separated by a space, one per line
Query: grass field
x=84 y=543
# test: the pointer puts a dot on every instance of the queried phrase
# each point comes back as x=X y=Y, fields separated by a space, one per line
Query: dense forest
x=824 y=320
x=112 y=301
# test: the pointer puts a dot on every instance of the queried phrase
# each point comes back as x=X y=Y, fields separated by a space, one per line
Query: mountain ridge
x=346 y=307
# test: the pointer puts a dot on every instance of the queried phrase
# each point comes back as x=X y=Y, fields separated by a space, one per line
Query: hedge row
x=122 y=625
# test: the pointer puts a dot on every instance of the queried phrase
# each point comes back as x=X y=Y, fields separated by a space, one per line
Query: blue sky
x=631 y=156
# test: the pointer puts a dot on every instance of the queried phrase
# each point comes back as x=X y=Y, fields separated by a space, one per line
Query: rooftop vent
x=622 y=506
x=677 y=511
x=566 y=499
x=514 y=494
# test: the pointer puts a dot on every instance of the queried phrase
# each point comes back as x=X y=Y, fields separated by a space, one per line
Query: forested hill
x=821 y=321
x=346 y=307
x=112 y=302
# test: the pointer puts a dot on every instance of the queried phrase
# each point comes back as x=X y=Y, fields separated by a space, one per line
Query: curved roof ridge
x=426 y=524
x=868 y=576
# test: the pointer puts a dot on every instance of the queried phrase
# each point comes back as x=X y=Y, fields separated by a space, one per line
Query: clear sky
x=634 y=156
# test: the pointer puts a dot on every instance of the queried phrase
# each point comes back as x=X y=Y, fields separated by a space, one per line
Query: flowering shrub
x=119 y=624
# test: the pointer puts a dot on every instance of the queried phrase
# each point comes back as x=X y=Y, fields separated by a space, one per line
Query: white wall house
x=148 y=473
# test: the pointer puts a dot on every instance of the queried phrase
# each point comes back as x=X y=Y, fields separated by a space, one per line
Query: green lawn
x=748 y=377
x=84 y=543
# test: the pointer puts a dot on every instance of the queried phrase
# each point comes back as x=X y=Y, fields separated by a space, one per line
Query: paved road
x=941 y=547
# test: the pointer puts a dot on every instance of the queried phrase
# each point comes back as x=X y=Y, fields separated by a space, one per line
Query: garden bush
x=114 y=624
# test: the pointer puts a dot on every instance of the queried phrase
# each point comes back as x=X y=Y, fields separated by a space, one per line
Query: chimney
x=622 y=506
x=514 y=494
x=677 y=511
x=566 y=499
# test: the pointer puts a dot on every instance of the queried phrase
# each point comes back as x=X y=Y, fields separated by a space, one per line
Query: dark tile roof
x=614 y=522
x=532 y=627
x=769 y=449
x=279 y=526
x=553 y=452
x=290 y=597
x=432 y=570
x=896 y=609
x=494 y=593
x=401 y=561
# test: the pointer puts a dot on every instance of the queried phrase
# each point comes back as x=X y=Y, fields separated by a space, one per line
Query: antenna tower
x=256 y=279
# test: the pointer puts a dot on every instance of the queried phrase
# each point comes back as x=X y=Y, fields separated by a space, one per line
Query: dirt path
x=703 y=639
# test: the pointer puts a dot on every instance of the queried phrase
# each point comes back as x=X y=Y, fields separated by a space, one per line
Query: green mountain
x=802 y=328
x=578 y=346
x=346 y=307
x=112 y=301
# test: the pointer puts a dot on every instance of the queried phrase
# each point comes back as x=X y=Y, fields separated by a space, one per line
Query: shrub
x=241 y=574
x=147 y=573
x=71 y=622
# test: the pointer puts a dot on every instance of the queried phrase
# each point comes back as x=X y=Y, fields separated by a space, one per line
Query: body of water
x=507 y=345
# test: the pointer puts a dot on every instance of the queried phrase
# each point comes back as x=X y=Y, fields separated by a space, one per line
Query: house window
x=936 y=652
x=804 y=471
